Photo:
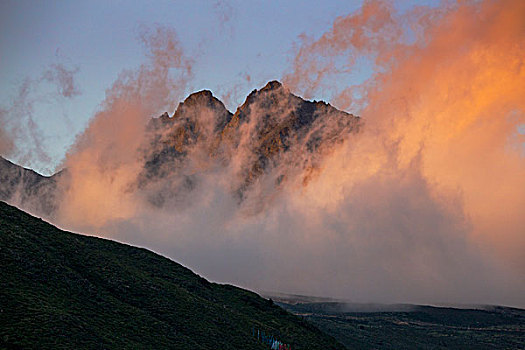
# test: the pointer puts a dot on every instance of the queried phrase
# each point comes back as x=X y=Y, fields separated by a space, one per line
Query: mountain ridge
x=29 y=189
x=272 y=138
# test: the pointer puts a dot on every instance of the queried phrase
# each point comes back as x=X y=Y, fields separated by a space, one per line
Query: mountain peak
x=273 y=133
x=197 y=94
x=200 y=97
x=272 y=85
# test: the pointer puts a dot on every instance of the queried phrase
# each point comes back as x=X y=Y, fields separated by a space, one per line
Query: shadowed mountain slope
x=65 y=290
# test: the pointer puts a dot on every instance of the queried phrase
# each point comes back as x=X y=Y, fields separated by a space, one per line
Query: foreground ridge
x=65 y=290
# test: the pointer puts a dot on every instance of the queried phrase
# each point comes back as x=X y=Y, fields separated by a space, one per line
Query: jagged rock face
x=272 y=137
x=289 y=130
x=28 y=189
x=193 y=131
x=198 y=119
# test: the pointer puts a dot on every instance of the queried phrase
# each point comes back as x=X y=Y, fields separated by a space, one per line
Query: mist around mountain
x=66 y=290
x=423 y=204
x=283 y=194
x=273 y=136
x=28 y=189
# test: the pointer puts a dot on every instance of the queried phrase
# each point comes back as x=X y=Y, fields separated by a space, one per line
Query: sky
x=423 y=205
x=235 y=46
x=101 y=39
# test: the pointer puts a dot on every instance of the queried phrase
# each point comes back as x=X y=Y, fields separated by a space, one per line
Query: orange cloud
x=424 y=204
x=452 y=98
x=106 y=159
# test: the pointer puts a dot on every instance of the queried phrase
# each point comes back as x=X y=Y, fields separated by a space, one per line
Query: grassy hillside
x=64 y=290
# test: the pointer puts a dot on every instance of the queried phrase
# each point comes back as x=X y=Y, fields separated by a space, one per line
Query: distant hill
x=404 y=326
x=28 y=189
x=65 y=290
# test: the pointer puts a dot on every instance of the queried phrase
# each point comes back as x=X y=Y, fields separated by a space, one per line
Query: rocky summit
x=272 y=138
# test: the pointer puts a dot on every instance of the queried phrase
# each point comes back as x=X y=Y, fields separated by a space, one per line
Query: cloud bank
x=423 y=205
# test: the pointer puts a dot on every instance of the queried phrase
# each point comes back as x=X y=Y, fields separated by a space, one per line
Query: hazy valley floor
x=417 y=327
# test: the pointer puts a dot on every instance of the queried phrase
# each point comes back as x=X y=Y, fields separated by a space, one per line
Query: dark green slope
x=64 y=290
